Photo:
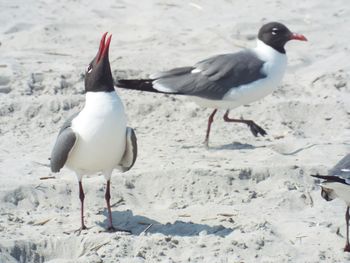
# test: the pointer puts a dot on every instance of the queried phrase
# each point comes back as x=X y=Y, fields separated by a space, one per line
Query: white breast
x=100 y=129
x=273 y=68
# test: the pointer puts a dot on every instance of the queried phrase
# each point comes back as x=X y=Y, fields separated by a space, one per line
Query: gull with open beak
x=97 y=138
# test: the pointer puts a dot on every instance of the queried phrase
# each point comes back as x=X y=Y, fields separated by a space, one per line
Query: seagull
x=337 y=185
x=97 y=138
x=227 y=81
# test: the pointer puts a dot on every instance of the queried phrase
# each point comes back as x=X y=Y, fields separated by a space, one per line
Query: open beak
x=296 y=36
x=104 y=47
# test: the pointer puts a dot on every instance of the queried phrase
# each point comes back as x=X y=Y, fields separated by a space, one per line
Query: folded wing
x=130 y=153
x=211 y=78
x=64 y=143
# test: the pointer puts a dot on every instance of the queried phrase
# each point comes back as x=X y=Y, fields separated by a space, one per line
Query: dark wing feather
x=215 y=76
x=241 y=68
x=64 y=143
x=330 y=178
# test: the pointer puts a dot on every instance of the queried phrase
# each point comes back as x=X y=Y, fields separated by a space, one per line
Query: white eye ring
x=274 y=31
x=89 y=68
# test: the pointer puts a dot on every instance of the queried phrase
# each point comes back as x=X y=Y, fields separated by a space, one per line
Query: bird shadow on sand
x=236 y=146
x=139 y=224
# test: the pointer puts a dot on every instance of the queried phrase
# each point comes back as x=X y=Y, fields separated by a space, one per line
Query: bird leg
x=254 y=128
x=347 y=244
x=82 y=197
x=111 y=228
x=108 y=198
x=210 y=121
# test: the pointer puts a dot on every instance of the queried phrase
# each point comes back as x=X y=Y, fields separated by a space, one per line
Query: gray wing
x=130 y=153
x=64 y=143
x=172 y=73
x=342 y=169
x=214 y=77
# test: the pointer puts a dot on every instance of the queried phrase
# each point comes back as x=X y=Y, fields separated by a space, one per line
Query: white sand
x=245 y=200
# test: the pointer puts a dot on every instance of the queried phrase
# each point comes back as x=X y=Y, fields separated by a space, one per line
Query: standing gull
x=229 y=80
x=337 y=185
x=96 y=139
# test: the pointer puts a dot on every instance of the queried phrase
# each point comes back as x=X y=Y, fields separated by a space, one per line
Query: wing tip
x=55 y=170
x=53 y=166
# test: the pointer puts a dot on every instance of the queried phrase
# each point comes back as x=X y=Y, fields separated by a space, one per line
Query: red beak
x=296 y=36
x=104 y=46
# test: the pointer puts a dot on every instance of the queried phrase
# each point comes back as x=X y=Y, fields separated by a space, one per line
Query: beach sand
x=245 y=199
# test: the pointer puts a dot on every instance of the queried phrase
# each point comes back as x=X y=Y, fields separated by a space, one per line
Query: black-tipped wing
x=64 y=143
x=330 y=178
x=130 y=153
x=340 y=173
x=212 y=78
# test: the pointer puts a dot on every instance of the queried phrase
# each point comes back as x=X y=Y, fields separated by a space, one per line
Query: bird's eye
x=89 y=68
x=274 y=31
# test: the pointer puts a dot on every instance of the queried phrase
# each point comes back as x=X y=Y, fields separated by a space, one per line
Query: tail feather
x=320 y=176
x=143 y=85
x=136 y=84
x=330 y=178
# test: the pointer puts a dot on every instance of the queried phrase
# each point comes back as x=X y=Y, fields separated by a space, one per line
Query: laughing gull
x=229 y=80
x=96 y=139
x=337 y=185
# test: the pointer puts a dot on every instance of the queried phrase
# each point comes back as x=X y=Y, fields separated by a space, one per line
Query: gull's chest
x=95 y=127
x=100 y=128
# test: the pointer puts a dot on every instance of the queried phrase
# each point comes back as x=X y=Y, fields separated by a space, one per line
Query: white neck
x=266 y=52
x=102 y=101
x=96 y=97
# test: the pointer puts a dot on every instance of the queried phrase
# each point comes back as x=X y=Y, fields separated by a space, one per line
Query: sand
x=245 y=199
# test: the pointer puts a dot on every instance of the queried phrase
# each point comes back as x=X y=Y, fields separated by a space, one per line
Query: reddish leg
x=347 y=217
x=254 y=128
x=108 y=198
x=111 y=228
x=82 y=197
x=210 y=121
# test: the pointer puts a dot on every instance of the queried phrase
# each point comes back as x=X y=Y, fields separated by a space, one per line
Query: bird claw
x=256 y=129
x=79 y=230
x=347 y=248
x=113 y=229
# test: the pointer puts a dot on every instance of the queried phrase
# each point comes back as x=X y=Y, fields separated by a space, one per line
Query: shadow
x=190 y=146
x=236 y=146
x=137 y=224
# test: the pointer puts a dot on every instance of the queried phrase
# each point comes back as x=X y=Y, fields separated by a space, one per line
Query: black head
x=276 y=35
x=98 y=75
